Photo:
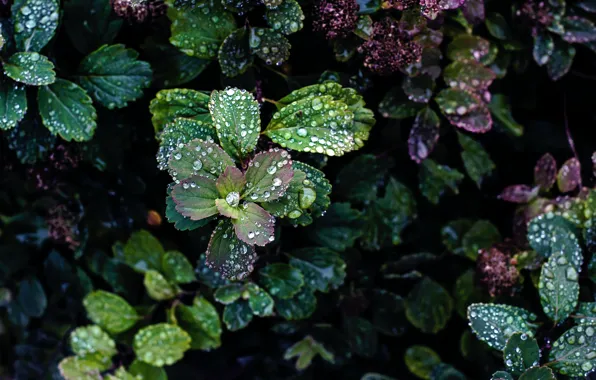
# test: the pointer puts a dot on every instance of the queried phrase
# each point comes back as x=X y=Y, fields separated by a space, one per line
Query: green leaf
x=195 y=197
x=234 y=53
x=388 y=310
x=90 y=24
x=424 y=134
x=543 y=47
x=67 y=110
x=549 y=233
x=585 y=314
x=13 y=103
x=301 y=306
x=286 y=18
x=497 y=26
x=198 y=30
x=281 y=280
x=306 y=350
x=574 y=352
x=177 y=268
x=228 y=255
x=179 y=102
x=268 y=175
x=466 y=292
x=482 y=234
x=494 y=324
x=228 y=294
x=465 y=48
x=299 y=196
x=429 y=306
x=236 y=118
x=419 y=89
x=91 y=342
x=237 y=315
x=561 y=59
x=143 y=252
x=179 y=133
x=443 y=371
x=259 y=300
x=558 y=287
x=31 y=297
x=113 y=75
x=322 y=268
x=357 y=180
x=35 y=22
x=161 y=344
x=520 y=353
x=452 y=234
x=121 y=374
x=476 y=160
x=76 y=368
x=501 y=110
x=269 y=45
x=32 y=69
x=338 y=229
x=198 y=158
x=158 y=287
x=395 y=106
x=538 y=373
x=420 y=360
x=147 y=371
x=110 y=311
x=201 y=321
x=254 y=225
x=434 y=179
x=501 y=375
x=464 y=109
x=361 y=336
x=322 y=189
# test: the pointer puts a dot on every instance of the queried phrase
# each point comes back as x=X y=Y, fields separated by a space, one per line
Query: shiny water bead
x=321 y=185
x=32 y=69
x=495 y=323
x=35 y=22
x=229 y=256
x=233 y=198
x=286 y=18
x=161 y=344
x=178 y=102
x=198 y=157
x=269 y=45
x=574 y=353
x=13 y=103
x=92 y=340
x=268 y=175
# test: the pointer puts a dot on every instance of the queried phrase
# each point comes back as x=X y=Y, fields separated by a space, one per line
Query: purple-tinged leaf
x=268 y=175
x=254 y=225
x=561 y=60
x=198 y=157
x=231 y=181
x=543 y=47
x=569 y=176
x=578 y=30
x=519 y=193
x=195 y=197
x=464 y=110
x=424 y=134
x=451 y=4
x=466 y=47
x=226 y=209
x=587 y=5
x=468 y=75
x=545 y=172
x=474 y=11
x=430 y=8
x=418 y=89
x=231 y=257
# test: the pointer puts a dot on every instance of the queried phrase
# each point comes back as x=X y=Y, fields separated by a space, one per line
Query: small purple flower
x=336 y=18
x=139 y=10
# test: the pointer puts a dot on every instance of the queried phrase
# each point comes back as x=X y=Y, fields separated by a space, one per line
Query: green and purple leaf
x=468 y=48
x=424 y=134
x=195 y=197
x=198 y=157
x=254 y=225
x=464 y=110
x=230 y=181
x=561 y=60
x=419 y=89
x=578 y=30
x=569 y=176
x=545 y=172
x=519 y=193
x=226 y=254
x=468 y=75
x=543 y=47
x=268 y=175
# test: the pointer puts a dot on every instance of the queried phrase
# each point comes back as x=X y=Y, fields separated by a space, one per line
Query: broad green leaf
x=90 y=24
x=466 y=292
x=435 y=179
x=429 y=306
x=465 y=48
x=201 y=321
x=569 y=176
x=495 y=324
x=158 y=287
x=338 y=229
x=558 y=287
x=520 y=353
x=361 y=336
x=561 y=59
x=424 y=134
x=419 y=89
x=35 y=22
x=67 y=110
x=147 y=371
x=269 y=45
x=178 y=133
x=538 y=373
x=453 y=232
x=395 y=106
x=195 y=197
x=161 y=344
x=239 y=6
x=198 y=30
x=476 y=160
x=497 y=26
x=234 y=53
x=443 y=371
x=543 y=47
x=198 y=158
x=482 y=234
x=13 y=103
x=259 y=300
x=237 y=315
x=306 y=350
x=420 y=360
x=113 y=75
x=32 y=297
x=501 y=110
x=585 y=314
x=178 y=102
x=464 y=109
x=388 y=313
x=254 y=225
x=301 y=306
x=177 y=268
x=143 y=252
x=281 y=280
x=299 y=196
x=228 y=255
x=228 y=294
x=121 y=374
x=286 y=18
x=322 y=268
x=76 y=368
x=357 y=180
x=110 y=311
x=549 y=233
x=322 y=189
x=32 y=69
x=574 y=353
x=268 y=175
x=501 y=375
x=91 y=342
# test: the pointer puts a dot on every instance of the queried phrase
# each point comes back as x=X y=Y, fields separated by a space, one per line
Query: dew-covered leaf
x=477 y=162
x=435 y=179
x=543 y=47
x=198 y=30
x=466 y=292
x=358 y=180
x=560 y=60
x=30 y=68
x=268 y=175
x=121 y=374
x=420 y=360
x=13 y=103
x=67 y=110
x=286 y=18
x=260 y=301
x=195 y=197
x=237 y=315
x=178 y=102
x=585 y=313
x=110 y=311
x=419 y=89
x=465 y=110
x=424 y=134
x=228 y=255
x=161 y=344
x=90 y=24
x=228 y=294
x=269 y=45
x=501 y=375
x=322 y=189
x=558 y=287
x=338 y=229
x=465 y=47
x=147 y=371
x=306 y=350
x=497 y=26
x=35 y=22
x=181 y=222
x=179 y=133
x=158 y=287
x=322 y=268
x=177 y=268
x=501 y=110
x=468 y=75
x=444 y=371
x=538 y=373
x=199 y=158
x=429 y=306
x=91 y=342
x=569 y=176
x=240 y=6
x=296 y=201
x=520 y=353
x=76 y=368
x=281 y=280
x=113 y=75
x=574 y=353
x=578 y=29
x=494 y=324
x=143 y=252
x=254 y=225
x=549 y=233
x=393 y=106
x=201 y=321
x=545 y=172
x=234 y=54
x=301 y=306
x=236 y=119
x=519 y=194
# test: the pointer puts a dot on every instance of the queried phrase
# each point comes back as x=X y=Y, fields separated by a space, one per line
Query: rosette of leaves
x=111 y=76
x=209 y=30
